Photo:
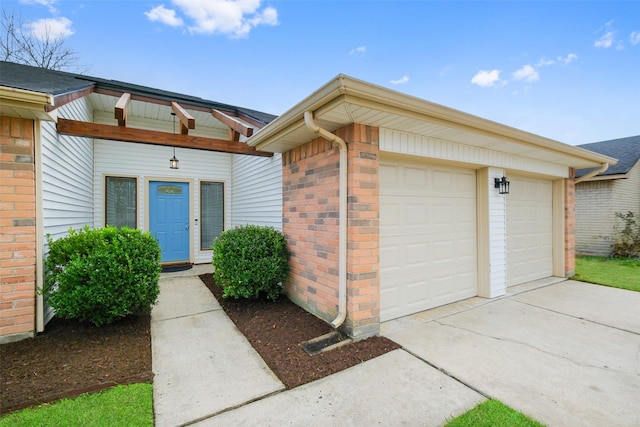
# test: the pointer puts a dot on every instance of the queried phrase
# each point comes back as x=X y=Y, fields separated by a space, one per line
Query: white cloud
x=486 y=78
x=606 y=41
x=527 y=73
x=360 y=50
x=164 y=16
x=400 y=81
x=50 y=28
x=635 y=38
x=232 y=17
x=608 y=38
x=545 y=62
x=568 y=59
x=49 y=4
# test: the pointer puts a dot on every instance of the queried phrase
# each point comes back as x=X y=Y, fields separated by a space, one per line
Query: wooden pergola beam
x=196 y=107
x=233 y=123
x=186 y=120
x=121 y=109
x=143 y=136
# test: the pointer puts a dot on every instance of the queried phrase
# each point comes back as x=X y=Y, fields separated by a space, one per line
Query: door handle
x=186 y=225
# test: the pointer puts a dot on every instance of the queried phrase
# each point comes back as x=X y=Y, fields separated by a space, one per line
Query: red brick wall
x=17 y=227
x=570 y=225
x=310 y=210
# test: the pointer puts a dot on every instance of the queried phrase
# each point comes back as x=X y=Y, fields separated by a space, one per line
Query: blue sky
x=564 y=70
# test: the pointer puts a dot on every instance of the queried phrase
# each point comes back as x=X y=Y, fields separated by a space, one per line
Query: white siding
x=406 y=143
x=596 y=205
x=257 y=191
x=152 y=162
x=497 y=237
x=67 y=174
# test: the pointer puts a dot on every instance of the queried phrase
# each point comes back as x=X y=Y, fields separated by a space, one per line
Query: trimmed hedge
x=251 y=261
x=102 y=275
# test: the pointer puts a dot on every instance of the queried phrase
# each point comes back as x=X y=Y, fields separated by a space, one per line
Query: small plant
x=250 y=261
x=627 y=237
x=102 y=275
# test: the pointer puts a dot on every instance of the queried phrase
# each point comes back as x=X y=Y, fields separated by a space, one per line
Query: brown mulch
x=72 y=358
x=275 y=330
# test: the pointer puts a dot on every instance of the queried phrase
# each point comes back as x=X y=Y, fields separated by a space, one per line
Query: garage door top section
x=427 y=236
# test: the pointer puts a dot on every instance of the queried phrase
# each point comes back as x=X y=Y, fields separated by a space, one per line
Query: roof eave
x=29 y=103
x=383 y=97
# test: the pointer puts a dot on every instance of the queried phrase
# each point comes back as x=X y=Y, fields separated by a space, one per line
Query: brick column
x=363 y=231
x=570 y=224
x=17 y=229
x=310 y=222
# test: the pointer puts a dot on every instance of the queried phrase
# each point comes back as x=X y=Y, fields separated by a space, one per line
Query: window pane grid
x=120 y=202
x=211 y=213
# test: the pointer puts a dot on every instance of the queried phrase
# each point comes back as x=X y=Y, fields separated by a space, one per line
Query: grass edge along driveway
x=617 y=273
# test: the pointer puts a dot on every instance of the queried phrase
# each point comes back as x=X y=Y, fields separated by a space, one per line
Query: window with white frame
x=211 y=213
x=121 y=201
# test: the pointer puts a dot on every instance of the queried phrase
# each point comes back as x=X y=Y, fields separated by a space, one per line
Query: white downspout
x=342 y=213
x=602 y=169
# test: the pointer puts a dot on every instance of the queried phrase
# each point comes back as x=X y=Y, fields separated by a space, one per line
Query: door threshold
x=170 y=267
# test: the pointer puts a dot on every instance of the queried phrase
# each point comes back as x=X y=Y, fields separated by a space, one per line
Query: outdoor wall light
x=173 y=162
x=502 y=185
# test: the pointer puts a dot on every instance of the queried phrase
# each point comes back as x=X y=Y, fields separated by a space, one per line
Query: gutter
x=342 y=214
x=602 y=169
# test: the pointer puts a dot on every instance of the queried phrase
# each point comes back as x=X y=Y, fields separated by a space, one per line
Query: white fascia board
x=20 y=99
x=384 y=99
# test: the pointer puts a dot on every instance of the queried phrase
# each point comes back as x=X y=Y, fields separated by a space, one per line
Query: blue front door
x=169 y=218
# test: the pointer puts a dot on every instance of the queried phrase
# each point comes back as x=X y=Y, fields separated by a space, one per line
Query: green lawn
x=493 y=413
x=130 y=405
x=623 y=274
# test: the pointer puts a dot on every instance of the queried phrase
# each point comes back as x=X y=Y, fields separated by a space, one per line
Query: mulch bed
x=72 y=358
x=275 y=330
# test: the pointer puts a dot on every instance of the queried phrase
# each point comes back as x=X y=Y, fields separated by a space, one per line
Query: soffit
x=345 y=101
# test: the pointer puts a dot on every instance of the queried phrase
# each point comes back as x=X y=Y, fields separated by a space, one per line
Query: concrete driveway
x=566 y=354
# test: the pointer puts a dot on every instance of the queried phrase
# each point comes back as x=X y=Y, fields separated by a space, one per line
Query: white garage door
x=529 y=230
x=427 y=236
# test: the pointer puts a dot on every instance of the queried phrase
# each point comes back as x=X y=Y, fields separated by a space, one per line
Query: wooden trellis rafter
x=236 y=127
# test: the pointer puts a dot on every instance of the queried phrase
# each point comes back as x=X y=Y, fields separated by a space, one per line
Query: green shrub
x=627 y=236
x=251 y=261
x=102 y=275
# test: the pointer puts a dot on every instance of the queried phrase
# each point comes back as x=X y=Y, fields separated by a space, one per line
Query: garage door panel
x=529 y=230
x=428 y=236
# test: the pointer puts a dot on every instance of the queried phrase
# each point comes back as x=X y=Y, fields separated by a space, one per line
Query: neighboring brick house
x=598 y=198
x=391 y=204
x=425 y=223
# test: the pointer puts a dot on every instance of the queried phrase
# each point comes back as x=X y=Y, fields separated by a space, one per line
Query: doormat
x=173 y=268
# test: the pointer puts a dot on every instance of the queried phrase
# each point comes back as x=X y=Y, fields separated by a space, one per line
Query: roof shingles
x=626 y=150
x=52 y=82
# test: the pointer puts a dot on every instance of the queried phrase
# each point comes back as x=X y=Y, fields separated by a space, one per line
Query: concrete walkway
x=202 y=364
x=207 y=374
x=564 y=353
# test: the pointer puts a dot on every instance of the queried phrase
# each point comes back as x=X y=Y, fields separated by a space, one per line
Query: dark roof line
x=57 y=83
x=626 y=150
